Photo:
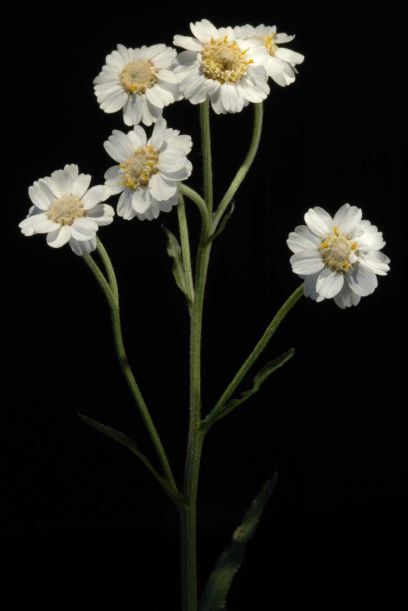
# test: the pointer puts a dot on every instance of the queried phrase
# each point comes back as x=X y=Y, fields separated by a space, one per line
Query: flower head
x=338 y=257
x=140 y=81
x=148 y=169
x=67 y=210
x=220 y=66
x=280 y=62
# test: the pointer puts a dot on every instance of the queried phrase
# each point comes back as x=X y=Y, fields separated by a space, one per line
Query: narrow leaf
x=219 y=583
x=112 y=433
x=223 y=222
x=257 y=382
x=174 y=251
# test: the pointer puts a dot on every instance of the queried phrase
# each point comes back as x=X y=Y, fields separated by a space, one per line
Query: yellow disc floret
x=336 y=250
x=224 y=61
x=137 y=170
x=138 y=76
x=270 y=44
x=65 y=210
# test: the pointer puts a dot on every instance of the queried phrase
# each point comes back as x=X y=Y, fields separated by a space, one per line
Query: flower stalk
x=113 y=302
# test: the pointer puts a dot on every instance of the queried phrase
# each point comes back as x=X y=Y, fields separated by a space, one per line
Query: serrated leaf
x=257 y=382
x=223 y=222
x=174 y=251
x=219 y=583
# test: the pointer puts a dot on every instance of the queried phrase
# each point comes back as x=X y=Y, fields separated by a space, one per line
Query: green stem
x=206 y=152
x=127 y=372
x=200 y=203
x=188 y=513
x=243 y=170
x=185 y=245
x=253 y=357
x=108 y=267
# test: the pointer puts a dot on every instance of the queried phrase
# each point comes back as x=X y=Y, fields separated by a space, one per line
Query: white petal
x=152 y=51
x=171 y=161
x=83 y=229
x=121 y=143
x=114 y=102
x=362 y=280
x=137 y=136
x=124 y=208
x=94 y=196
x=164 y=59
x=377 y=261
x=204 y=30
x=347 y=218
x=141 y=200
x=115 y=60
x=124 y=52
x=84 y=247
x=281 y=38
x=276 y=70
x=40 y=195
x=158 y=133
x=160 y=189
x=80 y=184
x=167 y=76
x=105 y=91
x=37 y=223
x=232 y=101
x=167 y=205
x=346 y=298
x=181 y=174
x=113 y=173
x=287 y=55
x=368 y=237
x=310 y=286
x=132 y=111
x=319 y=221
x=329 y=283
x=61 y=181
x=159 y=96
x=306 y=262
x=59 y=237
x=102 y=214
x=187 y=42
x=302 y=239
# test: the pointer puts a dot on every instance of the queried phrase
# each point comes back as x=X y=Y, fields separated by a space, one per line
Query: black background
x=83 y=526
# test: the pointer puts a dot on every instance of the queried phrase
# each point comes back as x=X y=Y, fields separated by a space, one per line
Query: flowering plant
x=337 y=256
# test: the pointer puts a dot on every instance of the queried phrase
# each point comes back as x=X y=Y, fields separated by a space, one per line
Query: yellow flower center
x=137 y=170
x=65 y=210
x=138 y=76
x=224 y=61
x=270 y=43
x=336 y=249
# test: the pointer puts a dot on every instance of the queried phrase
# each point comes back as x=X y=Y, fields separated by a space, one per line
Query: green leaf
x=174 y=251
x=118 y=436
x=219 y=583
x=257 y=382
x=223 y=222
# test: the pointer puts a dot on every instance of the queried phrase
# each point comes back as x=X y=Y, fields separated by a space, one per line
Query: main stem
x=188 y=513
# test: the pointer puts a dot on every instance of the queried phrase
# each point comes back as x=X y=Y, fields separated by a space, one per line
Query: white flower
x=338 y=257
x=141 y=81
x=219 y=66
x=67 y=210
x=148 y=170
x=280 y=62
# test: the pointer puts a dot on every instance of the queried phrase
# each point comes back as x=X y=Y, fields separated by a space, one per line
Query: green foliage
x=179 y=273
x=261 y=377
x=219 y=583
